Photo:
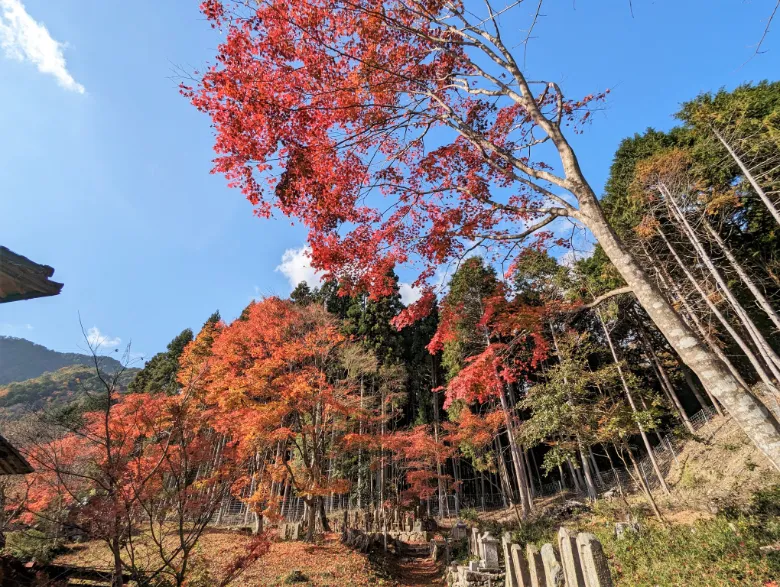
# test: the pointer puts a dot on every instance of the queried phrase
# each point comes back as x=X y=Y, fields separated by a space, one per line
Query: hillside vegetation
x=21 y=360
x=721 y=523
x=54 y=390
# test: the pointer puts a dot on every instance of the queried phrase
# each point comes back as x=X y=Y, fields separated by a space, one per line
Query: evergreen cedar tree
x=407 y=133
x=160 y=373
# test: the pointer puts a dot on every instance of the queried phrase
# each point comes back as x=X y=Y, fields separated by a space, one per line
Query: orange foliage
x=273 y=381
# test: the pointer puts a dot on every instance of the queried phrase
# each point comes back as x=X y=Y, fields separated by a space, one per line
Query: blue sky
x=104 y=168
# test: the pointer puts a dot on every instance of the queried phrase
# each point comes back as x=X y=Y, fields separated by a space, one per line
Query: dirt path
x=413 y=567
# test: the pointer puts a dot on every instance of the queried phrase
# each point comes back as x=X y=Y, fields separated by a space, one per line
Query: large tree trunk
x=323 y=515
x=311 y=518
x=754 y=419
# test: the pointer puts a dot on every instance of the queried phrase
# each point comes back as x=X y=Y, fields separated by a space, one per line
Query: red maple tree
x=406 y=132
x=277 y=388
x=139 y=475
x=324 y=110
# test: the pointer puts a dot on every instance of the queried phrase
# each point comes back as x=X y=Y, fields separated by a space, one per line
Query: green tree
x=303 y=295
x=470 y=288
x=159 y=374
x=370 y=321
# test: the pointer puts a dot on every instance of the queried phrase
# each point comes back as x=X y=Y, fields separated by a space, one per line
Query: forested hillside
x=69 y=386
x=21 y=359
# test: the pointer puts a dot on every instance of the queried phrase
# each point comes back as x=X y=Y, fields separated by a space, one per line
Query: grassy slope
x=725 y=506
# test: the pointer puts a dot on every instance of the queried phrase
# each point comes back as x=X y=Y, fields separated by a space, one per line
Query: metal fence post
x=671 y=448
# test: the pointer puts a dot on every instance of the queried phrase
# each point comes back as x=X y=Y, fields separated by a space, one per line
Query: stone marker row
x=582 y=563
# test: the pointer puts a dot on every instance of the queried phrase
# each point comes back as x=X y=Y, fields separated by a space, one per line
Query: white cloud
x=24 y=39
x=97 y=339
x=409 y=294
x=571 y=256
x=296 y=267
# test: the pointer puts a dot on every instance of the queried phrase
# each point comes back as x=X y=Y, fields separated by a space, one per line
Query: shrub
x=689 y=479
x=32 y=545
x=536 y=531
x=469 y=514
x=765 y=505
x=295 y=577
x=459 y=551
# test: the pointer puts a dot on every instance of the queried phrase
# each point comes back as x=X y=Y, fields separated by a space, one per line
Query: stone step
x=420 y=551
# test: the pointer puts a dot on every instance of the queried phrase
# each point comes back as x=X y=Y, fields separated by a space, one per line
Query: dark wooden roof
x=11 y=462
x=22 y=279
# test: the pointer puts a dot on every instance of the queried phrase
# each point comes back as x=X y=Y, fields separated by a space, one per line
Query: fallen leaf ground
x=325 y=564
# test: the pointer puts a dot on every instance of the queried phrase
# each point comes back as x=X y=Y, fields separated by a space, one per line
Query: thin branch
x=766 y=29
x=604 y=297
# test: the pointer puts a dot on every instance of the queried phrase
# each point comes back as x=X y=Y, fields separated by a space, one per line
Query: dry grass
x=724 y=468
x=719 y=469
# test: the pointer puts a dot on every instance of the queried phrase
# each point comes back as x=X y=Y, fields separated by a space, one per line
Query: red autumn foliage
x=373 y=123
x=420 y=452
x=143 y=464
x=474 y=430
x=505 y=336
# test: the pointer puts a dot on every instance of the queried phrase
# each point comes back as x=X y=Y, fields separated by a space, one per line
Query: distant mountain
x=21 y=360
x=74 y=385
